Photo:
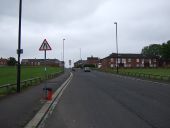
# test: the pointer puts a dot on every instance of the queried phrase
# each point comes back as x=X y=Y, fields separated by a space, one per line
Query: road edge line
x=36 y=120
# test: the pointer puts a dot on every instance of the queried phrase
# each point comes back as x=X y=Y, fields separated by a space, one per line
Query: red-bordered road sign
x=45 y=46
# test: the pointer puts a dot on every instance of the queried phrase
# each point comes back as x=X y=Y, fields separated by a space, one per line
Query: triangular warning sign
x=45 y=46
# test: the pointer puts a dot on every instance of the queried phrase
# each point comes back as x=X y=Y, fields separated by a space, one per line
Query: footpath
x=16 y=110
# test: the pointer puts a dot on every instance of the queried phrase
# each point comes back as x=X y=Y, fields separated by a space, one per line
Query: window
x=143 y=61
x=129 y=60
x=137 y=60
x=111 y=65
x=118 y=60
x=125 y=65
x=154 y=65
x=124 y=61
x=111 y=59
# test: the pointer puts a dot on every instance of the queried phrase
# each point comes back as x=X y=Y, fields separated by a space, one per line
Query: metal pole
x=19 y=49
x=63 y=56
x=45 y=69
x=117 y=67
x=45 y=73
x=80 y=54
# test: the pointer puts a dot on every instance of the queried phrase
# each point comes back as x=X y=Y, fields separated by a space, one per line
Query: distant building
x=3 y=61
x=125 y=60
x=129 y=61
x=38 y=62
x=80 y=63
x=93 y=61
x=90 y=61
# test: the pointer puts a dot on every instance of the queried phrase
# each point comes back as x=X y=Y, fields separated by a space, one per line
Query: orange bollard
x=50 y=93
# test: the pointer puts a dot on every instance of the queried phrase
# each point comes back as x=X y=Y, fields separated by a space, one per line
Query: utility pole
x=19 y=50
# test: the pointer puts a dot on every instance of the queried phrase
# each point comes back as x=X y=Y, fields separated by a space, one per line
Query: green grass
x=153 y=71
x=162 y=74
x=8 y=74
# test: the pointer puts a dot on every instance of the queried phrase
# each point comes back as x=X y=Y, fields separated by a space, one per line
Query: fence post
x=7 y=88
x=149 y=76
x=161 y=77
x=168 y=78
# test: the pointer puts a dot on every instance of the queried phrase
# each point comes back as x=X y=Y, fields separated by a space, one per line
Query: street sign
x=19 y=51
x=45 y=46
x=70 y=62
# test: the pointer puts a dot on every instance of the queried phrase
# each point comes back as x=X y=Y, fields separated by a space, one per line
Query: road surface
x=101 y=100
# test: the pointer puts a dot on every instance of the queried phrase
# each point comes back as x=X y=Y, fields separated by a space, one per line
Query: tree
x=152 y=50
x=90 y=65
x=145 y=50
x=11 y=61
x=165 y=50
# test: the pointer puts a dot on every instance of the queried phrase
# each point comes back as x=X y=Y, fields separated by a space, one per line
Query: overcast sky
x=85 y=24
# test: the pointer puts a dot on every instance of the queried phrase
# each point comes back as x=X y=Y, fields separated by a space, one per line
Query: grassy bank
x=8 y=74
x=154 y=71
x=148 y=73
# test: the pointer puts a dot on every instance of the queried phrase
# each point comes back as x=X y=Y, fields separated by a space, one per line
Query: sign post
x=69 y=63
x=45 y=47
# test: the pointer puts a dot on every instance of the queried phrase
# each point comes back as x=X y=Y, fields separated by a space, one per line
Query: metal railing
x=25 y=83
x=141 y=75
x=148 y=76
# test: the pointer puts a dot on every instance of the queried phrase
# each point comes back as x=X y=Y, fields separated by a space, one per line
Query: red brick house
x=129 y=61
x=3 y=61
x=93 y=60
x=38 y=62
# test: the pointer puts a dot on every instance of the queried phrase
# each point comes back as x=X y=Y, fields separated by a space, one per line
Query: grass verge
x=8 y=74
x=147 y=73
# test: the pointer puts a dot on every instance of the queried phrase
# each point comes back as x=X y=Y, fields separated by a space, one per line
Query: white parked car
x=87 y=69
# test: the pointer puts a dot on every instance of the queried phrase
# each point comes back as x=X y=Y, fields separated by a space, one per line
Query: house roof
x=92 y=58
x=80 y=61
x=40 y=60
x=129 y=55
x=3 y=59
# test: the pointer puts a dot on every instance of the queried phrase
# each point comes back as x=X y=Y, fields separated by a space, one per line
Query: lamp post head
x=115 y=22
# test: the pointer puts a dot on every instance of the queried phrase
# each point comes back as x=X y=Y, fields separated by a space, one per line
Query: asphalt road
x=100 y=100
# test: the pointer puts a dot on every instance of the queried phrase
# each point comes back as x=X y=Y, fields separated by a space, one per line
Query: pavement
x=100 y=100
x=16 y=110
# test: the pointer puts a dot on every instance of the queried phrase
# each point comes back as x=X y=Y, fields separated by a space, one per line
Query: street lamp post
x=63 y=55
x=80 y=54
x=19 y=50
x=117 y=67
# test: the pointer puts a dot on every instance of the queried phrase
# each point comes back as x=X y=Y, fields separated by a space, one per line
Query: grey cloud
x=58 y=11
x=9 y=8
x=86 y=24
